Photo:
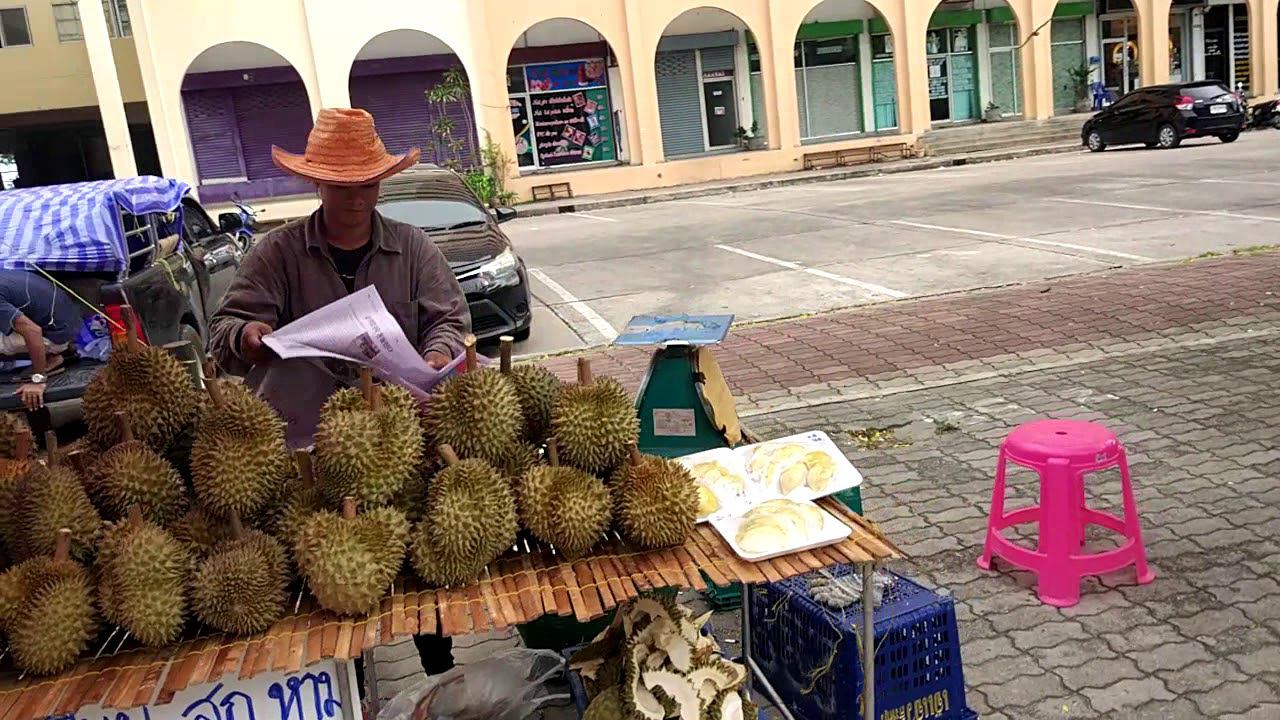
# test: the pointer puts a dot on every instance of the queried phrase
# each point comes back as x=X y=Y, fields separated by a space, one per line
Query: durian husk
x=46 y=609
x=367 y=453
x=565 y=507
x=150 y=387
x=240 y=587
x=199 y=530
x=470 y=520
x=594 y=423
x=239 y=459
x=477 y=414
x=12 y=425
x=132 y=474
x=537 y=389
x=657 y=502
x=142 y=581
x=46 y=500
x=349 y=562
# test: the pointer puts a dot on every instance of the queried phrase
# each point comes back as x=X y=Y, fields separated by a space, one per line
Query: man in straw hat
x=342 y=247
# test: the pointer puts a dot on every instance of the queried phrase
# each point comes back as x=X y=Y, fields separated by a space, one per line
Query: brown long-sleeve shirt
x=289 y=273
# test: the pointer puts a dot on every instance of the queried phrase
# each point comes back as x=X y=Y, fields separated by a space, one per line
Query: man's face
x=348 y=206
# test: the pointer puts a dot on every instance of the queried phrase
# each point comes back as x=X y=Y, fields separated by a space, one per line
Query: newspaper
x=360 y=329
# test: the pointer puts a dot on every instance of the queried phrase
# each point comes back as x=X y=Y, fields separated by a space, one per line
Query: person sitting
x=37 y=320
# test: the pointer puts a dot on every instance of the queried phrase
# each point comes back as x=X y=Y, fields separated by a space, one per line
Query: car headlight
x=498 y=272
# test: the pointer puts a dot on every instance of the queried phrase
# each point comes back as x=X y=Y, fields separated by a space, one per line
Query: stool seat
x=1062 y=452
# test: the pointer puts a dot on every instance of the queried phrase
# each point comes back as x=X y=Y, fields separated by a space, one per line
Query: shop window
x=884 y=82
x=828 y=87
x=14 y=30
x=1067 y=41
x=1005 y=69
x=66 y=18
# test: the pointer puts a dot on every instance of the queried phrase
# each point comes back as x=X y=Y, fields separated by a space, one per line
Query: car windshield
x=1205 y=92
x=435 y=215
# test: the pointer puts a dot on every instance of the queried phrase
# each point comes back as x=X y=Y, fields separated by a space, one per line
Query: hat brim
x=298 y=165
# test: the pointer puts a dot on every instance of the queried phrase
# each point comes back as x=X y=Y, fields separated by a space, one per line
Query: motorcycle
x=248 y=218
x=1265 y=114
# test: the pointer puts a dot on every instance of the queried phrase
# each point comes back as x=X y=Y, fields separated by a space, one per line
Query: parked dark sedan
x=1164 y=115
x=491 y=273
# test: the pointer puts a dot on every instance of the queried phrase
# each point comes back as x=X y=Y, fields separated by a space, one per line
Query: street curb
x=588 y=204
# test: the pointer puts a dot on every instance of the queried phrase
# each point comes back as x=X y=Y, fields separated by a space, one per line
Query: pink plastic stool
x=1062 y=451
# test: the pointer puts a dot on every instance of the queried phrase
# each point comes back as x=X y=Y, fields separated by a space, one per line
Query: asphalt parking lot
x=811 y=248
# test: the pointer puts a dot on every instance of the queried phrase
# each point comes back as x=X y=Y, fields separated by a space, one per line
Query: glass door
x=964 y=75
x=1120 y=54
x=937 y=46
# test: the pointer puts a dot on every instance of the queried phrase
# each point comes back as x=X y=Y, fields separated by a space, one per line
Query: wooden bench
x=552 y=191
x=856 y=156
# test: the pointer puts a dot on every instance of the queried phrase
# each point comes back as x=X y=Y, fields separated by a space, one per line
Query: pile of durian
x=186 y=509
x=653 y=663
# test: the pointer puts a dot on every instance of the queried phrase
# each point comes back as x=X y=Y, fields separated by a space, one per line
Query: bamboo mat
x=515 y=590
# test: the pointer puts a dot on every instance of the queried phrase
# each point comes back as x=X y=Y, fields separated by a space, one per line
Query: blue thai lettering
x=213 y=711
x=229 y=704
x=292 y=707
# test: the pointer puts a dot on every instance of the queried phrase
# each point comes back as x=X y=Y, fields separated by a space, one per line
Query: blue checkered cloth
x=77 y=227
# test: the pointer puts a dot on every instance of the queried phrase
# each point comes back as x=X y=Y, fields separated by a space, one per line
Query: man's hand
x=32 y=395
x=436 y=359
x=251 y=346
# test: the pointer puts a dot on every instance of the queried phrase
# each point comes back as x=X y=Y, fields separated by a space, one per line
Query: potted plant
x=741 y=136
x=1078 y=83
x=756 y=141
x=992 y=113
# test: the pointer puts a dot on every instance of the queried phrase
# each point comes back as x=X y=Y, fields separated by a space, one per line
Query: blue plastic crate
x=810 y=653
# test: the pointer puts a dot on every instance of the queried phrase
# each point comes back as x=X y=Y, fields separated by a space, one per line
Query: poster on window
x=572 y=75
x=523 y=131
x=572 y=126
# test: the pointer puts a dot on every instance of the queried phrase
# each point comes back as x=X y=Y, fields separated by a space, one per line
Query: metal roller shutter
x=679 y=103
x=278 y=114
x=717 y=58
x=211 y=123
x=405 y=118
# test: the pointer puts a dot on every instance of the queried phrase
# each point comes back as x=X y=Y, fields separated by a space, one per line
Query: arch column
x=643 y=51
x=784 y=132
x=1036 y=56
x=1264 y=63
x=487 y=77
x=164 y=104
x=331 y=79
x=106 y=84
x=1153 y=40
x=909 y=22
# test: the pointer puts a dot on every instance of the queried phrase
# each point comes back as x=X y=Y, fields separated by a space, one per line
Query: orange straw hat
x=343 y=149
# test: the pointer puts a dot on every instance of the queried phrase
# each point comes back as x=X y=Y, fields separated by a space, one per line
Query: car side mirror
x=230 y=222
x=504 y=214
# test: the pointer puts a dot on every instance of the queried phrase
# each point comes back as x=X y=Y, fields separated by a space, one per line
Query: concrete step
x=997 y=144
x=997 y=136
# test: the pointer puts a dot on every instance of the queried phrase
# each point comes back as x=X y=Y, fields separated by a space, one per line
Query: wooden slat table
x=515 y=590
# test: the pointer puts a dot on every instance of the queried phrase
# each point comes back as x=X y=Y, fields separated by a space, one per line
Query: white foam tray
x=833 y=531
x=730 y=504
x=846 y=477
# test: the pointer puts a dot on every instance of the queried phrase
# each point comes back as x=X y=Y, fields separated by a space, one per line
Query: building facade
x=605 y=95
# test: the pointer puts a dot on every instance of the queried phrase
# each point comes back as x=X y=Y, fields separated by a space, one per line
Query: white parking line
x=1033 y=241
x=588 y=216
x=1171 y=211
x=869 y=287
x=1241 y=182
x=601 y=325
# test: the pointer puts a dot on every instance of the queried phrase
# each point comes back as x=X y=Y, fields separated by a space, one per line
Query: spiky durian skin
x=132 y=474
x=607 y=705
x=365 y=453
x=565 y=507
x=477 y=414
x=470 y=520
x=537 y=390
x=300 y=501
x=657 y=503
x=11 y=424
x=199 y=530
x=240 y=588
x=153 y=391
x=142 y=581
x=518 y=460
x=12 y=474
x=56 y=620
x=238 y=457
x=46 y=500
x=594 y=424
x=349 y=563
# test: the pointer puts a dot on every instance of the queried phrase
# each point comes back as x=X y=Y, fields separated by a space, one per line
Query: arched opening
x=566 y=98
x=1073 y=69
x=417 y=90
x=1220 y=51
x=240 y=98
x=846 y=80
x=974 y=66
x=706 y=100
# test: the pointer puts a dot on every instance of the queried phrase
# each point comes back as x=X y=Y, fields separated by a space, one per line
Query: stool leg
x=1077 y=515
x=1059 y=580
x=995 y=519
x=1132 y=529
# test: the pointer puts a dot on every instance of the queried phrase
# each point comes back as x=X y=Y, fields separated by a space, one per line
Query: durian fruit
x=50 y=497
x=470 y=520
x=133 y=474
x=537 y=390
x=657 y=501
x=146 y=383
x=301 y=499
x=142 y=580
x=564 y=506
x=238 y=457
x=476 y=413
x=12 y=471
x=240 y=587
x=349 y=561
x=12 y=429
x=199 y=530
x=594 y=421
x=368 y=442
x=46 y=609
x=517 y=461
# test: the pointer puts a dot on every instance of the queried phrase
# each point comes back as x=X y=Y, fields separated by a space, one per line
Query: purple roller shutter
x=404 y=117
x=211 y=122
x=278 y=114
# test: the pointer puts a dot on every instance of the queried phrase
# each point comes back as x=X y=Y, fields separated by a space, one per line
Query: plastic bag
x=510 y=685
x=94 y=339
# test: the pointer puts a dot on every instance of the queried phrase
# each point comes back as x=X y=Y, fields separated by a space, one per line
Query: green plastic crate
x=556 y=633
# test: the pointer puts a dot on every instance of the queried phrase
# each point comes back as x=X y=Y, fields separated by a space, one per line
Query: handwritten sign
x=311 y=694
x=572 y=126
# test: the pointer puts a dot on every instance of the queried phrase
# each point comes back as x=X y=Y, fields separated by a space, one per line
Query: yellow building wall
x=54 y=75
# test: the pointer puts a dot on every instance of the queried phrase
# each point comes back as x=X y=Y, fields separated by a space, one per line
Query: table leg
x=868 y=632
x=754 y=675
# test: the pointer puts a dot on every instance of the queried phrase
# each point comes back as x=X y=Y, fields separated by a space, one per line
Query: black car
x=491 y=273
x=1164 y=115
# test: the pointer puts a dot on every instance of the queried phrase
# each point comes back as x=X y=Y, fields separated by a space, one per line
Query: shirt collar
x=381 y=239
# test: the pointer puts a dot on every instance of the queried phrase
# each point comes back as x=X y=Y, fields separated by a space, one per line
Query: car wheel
x=1167 y=138
x=1229 y=137
x=1094 y=142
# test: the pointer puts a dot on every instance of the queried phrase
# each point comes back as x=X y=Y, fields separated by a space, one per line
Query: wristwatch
x=38 y=378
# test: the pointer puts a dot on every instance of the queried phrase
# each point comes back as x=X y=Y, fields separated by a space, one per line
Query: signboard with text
x=568 y=115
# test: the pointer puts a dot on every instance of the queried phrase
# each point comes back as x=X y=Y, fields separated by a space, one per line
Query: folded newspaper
x=360 y=329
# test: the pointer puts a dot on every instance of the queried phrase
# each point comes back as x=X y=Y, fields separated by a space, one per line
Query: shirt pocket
x=406 y=313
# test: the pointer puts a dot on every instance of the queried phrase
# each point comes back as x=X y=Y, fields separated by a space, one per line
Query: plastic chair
x=1062 y=452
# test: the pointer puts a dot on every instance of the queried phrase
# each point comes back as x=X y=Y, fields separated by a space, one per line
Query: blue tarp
x=77 y=227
